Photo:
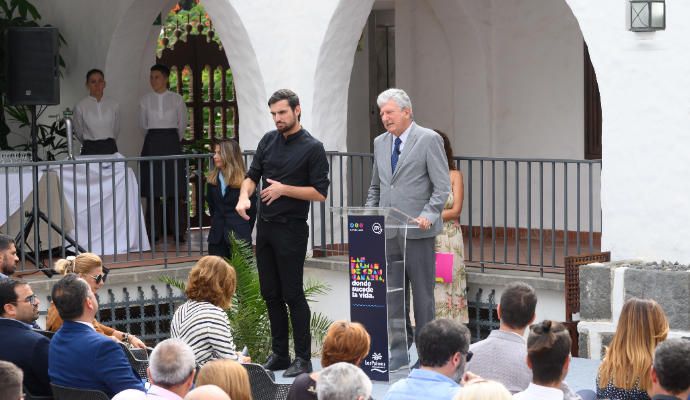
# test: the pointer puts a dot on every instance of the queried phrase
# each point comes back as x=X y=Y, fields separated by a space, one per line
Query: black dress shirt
x=299 y=160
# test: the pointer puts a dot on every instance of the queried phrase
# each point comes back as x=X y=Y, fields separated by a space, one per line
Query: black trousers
x=155 y=206
x=280 y=251
x=219 y=249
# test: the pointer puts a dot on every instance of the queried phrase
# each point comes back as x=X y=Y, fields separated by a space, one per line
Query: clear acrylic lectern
x=376 y=259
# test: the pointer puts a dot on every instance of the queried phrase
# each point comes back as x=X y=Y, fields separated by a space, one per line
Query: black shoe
x=299 y=366
x=275 y=362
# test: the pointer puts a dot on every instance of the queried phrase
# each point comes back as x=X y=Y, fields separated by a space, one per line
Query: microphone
x=398 y=152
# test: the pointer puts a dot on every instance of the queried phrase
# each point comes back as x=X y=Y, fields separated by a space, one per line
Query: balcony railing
x=522 y=214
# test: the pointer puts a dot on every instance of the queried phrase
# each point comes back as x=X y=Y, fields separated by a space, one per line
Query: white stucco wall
x=503 y=75
x=504 y=79
x=642 y=80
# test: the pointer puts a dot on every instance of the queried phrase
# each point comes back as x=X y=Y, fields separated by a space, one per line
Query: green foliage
x=248 y=315
x=52 y=138
x=184 y=12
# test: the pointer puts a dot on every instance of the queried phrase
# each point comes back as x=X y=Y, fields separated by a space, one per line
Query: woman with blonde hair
x=228 y=375
x=624 y=373
x=201 y=321
x=482 y=389
x=90 y=268
x=222 y=193
x=345 y=342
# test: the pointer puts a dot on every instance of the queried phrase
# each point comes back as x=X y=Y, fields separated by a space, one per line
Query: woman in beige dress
x=451 y=298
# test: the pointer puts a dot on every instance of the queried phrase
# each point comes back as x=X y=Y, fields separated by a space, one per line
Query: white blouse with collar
x=164 y=111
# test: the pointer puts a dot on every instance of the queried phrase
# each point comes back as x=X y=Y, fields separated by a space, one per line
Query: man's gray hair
x=343 y=381
x=171 y=362
x=10 y=381
x=397 y=95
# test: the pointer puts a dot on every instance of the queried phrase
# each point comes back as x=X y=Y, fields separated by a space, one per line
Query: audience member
x=21 y=345
x=171 y=373
x=90 y=268
x=343 y=381
x=443 y=348
x=345 y=342
x=481 y=389
x=201 y=321
x=670 y=374
x=548 y=356
x=10 y=381
x=8 y=257
x=207 y=392
x=624 y=372
x=79 y=357
x=502 y=355
x=228 y=375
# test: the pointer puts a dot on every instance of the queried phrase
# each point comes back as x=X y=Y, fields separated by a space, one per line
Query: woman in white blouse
x=96 y=118
x=164 y=118
x=201 y=321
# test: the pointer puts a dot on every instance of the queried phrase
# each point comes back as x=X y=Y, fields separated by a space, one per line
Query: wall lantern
x=647 y=15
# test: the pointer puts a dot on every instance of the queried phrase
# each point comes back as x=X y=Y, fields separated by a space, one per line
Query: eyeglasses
x=33 y=300
x=468 y=356
x=100 y=277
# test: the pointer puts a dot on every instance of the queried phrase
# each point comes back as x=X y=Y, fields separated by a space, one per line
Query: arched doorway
x=200 y=73
x=512 y=84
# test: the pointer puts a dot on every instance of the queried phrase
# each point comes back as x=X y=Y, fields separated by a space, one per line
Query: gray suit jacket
x=421 y=182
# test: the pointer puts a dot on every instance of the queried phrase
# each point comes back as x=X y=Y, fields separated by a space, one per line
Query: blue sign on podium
x=367 y=262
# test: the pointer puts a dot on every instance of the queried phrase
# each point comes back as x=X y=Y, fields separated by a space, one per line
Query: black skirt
x=162 y=142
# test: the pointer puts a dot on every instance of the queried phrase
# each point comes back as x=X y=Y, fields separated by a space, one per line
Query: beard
x=286 y=127
x=459 y=372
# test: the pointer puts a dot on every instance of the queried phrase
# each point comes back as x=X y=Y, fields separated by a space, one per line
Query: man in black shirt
x=294 y=169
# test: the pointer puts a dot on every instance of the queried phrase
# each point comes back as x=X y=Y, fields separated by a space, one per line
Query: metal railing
x=522 y=214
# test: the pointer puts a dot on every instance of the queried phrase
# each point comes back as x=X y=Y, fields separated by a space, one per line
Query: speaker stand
x=34 y=216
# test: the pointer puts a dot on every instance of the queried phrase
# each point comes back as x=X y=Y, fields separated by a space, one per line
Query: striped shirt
x=205 y=328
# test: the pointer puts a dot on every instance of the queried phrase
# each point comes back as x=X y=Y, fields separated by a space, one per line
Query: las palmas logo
x=376 y=356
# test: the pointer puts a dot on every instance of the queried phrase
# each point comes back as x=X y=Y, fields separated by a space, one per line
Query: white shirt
x=89 y=324
x=154 y=392
x=163 y=111
x=403 y=138
x=97 y=120
x=538 y=392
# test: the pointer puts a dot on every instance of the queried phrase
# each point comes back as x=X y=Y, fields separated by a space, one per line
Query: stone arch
x=132 y=49
x=333 y=69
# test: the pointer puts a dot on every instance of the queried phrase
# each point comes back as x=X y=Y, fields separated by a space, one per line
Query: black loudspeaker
x=33 y=66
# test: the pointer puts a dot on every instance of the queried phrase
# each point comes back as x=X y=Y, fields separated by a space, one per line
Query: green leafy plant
x=248 y=315
x=52 y=138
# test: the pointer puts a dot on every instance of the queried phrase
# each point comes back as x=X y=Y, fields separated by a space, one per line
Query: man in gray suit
x=411 y=174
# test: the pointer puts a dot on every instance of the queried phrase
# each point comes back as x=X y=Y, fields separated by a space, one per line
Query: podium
x=376 y=259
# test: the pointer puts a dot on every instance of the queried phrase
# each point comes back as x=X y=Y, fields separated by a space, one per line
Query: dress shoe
x=275 y=362
x=298 y=367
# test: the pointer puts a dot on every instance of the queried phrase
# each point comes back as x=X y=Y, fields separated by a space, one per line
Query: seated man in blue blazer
x=79 y=357
x=21 y=345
